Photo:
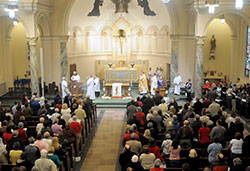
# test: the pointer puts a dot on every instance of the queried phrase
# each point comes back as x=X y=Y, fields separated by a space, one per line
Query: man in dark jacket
x=126 y=156
x=157 y=98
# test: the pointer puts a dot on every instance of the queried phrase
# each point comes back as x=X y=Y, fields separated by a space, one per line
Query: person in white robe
x=64 y=85
x=154 y=84
x=75 y=77
x=158 y=73
x=91 y=88
x=97 y=86
x=177 y=84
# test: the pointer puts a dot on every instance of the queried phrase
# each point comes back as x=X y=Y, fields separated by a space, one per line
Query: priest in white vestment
x=64 y=85
x=97 y=86
x=154 y=84
x=177 y=84
x=91 y=88
x=75 y=77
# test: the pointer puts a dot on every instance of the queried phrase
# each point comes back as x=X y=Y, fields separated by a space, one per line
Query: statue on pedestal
x=212 y=48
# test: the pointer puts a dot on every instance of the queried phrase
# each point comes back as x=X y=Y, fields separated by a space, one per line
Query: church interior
x=42 y=43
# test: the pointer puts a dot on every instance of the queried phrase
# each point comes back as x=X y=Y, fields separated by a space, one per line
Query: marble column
x=174 y=58
x=33 y=65
x=64 y=57
x=234 y=59
x=199 y=72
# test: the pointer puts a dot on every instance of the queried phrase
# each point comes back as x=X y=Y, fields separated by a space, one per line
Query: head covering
x=147 y=134
x=157 y=163
x=134 y=159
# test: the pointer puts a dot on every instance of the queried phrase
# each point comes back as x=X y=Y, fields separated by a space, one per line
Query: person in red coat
x=155 y=149
x=140 y=116
x=127 y=136
x=22 y=135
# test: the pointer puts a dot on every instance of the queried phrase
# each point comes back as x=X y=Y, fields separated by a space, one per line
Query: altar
x=122 y=75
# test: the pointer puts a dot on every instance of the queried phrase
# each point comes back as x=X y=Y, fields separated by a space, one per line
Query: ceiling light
x=238 y=4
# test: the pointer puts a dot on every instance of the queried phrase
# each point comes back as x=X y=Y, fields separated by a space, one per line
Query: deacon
x=91 y=88
x=97 y=85
x=154 y=84
x=177 y=83
x=143 y=84
x=64 y=85
x=75 y=77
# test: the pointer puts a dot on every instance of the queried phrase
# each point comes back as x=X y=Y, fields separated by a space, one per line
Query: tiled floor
x=103 y=152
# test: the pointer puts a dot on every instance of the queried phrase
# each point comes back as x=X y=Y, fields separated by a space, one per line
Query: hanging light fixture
x=238 y=4
x=15 y=22
x=12 y=8
x=211 y=4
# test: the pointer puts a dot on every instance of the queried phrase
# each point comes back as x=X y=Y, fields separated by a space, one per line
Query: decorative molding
x=32 y=40
x=234 y=37
x=62 y=38
x=200 y=40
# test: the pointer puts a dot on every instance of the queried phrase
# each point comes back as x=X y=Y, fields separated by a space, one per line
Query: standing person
x=143 y=84
x=177 y=83
x=64 y=85
x=90 y=88
x=188 y=87
x=154 y=84
x=97 y=85
x=75 y=77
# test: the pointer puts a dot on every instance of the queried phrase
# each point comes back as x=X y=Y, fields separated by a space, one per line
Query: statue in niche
x=212 y=48
x=122 y=6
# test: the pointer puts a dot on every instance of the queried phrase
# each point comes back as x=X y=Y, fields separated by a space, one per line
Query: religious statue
x=122 y=6
x=143 y=84
x=212 y=48
x=122 y=39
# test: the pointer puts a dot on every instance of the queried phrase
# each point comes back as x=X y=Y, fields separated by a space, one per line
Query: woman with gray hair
x=157 y=166
x=22 y=135
x=45 y=164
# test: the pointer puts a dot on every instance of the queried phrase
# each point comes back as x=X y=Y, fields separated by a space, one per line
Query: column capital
x=174 y=37
x=64 y=38
x=8 y=38
x=32 y=40
x=200 y=40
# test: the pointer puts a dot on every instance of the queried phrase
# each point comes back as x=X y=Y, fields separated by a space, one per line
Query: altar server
x=154 y=84
x=91 y=88
x=64 y=87
x=177 y=84
x=97 y=85
x=143 y=84
x=75 y=77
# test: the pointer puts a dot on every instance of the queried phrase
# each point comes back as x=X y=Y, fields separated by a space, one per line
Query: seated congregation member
x=45 y=164
x=7 y=135
x=196 y=125
x=40 y=143
x=31 y=154
x=218 y=132
x=147 y=158
x=246 y=146
x=27 y=112
x=57 y=129
x=47 y=138
x=146 y=136
x=213 y=150
x=3 y=152
x=219 y=164
x=135 y=164
x=138 y=100
x=14 y=139
x=130 y=111
x=18 y=114
x=164 y=107
x=235 y=146
x=204 y=118
x=58 y=149
x=127 y=136
x=135 y=145
x=157 y=165
x=140 y=116
x=80 y=113
x=15 y=153
x=158 y=119
x=22 y=133
x=69 y=135
x=157 y=98
x=237 y=165
x=40 y=126
x=47 y=128
x=174 y=158
x=153 y=148
x=55 y=115
x=193 y=160
x=185 y=135
x=204 y=135
x=198 y=106
x=165 y=145
x=148 y=103
x=54 y=157
x=186 y=167
x=134 y=120
x=126 y=156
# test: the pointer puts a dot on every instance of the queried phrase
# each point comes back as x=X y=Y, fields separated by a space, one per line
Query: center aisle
x=103 y=151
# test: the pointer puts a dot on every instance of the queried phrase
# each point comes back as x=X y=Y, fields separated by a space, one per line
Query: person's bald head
x=186 y=123
x=127 y=147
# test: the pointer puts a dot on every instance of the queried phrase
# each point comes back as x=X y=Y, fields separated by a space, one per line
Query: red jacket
x=140 y=117
x=22 y=135
x=157 y=169
x=156 y=151
x=127 y=137
x=76 y=126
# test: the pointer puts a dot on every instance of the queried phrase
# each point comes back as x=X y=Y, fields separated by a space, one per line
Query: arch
x=164 y=29
x=78 y=30
x=11 y=26
x=173 y=18
x=241 y=14
x=43 y=22
x=105 y=28
x=152 y=29
x=89 y=28
x=135 y=29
